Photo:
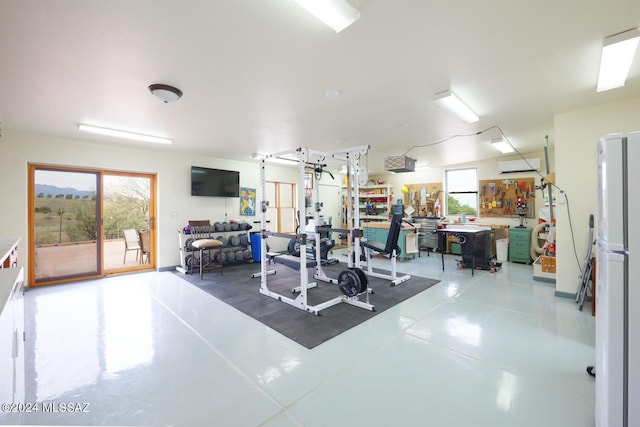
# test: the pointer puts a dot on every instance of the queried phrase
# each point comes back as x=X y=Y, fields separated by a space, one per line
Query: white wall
x=175 y=204
x=487 y=170
x=576 y=134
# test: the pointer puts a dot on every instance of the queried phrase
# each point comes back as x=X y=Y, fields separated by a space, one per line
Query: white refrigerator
x=617 y=282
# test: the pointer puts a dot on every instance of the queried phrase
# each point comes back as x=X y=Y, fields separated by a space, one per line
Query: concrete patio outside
x=54 y=261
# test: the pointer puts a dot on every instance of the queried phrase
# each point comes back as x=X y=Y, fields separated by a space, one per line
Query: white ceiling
x=255 y=72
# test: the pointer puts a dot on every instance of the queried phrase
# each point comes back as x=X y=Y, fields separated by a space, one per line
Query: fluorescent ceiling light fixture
x=422 y=165
x=337 y=14
x=502 y=145
x=123 y=134
x=617 y=54
x=449 y=101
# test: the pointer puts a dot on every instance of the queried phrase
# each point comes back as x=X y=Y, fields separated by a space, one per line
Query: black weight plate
x=234 y=240
x=364 y=280
x=188 y=261
x=187 y=243
x=349 y=283
x=294 y=247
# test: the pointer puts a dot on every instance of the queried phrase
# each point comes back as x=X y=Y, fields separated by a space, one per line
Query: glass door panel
x=65 y=224
x=128 y=221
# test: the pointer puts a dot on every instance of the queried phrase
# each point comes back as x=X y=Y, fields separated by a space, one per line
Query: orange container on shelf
x=548 y=264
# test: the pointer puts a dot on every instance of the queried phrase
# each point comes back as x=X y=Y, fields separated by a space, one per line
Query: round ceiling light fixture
x=165 y=93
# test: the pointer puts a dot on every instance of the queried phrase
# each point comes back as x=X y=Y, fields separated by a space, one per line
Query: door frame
x=100 y=240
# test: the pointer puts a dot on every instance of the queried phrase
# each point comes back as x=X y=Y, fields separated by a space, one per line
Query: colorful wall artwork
x=247 y=201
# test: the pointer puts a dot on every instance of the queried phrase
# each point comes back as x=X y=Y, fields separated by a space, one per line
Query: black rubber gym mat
x=237 y=288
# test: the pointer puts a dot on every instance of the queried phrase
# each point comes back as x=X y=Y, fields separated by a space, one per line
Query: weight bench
x=291 y=261
x=389 y=249
x=271 y=256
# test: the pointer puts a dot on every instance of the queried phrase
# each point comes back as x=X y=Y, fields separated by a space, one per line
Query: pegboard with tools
x=426 y=198
x=502 y=197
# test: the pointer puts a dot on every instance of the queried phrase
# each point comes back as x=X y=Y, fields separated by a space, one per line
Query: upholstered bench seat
x=207 y=244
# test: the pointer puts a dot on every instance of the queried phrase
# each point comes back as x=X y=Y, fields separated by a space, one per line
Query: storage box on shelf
x=543 y=272
x=236 y=249
x=548 y=264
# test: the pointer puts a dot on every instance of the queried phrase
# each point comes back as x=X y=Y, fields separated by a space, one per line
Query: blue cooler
x=256 y=246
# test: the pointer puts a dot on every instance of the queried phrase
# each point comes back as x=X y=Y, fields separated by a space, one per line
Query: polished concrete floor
x=151 y=349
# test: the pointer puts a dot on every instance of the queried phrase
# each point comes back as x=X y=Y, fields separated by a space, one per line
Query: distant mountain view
x=45 y=190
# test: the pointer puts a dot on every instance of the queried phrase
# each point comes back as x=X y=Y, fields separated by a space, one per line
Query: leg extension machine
x=389 y=250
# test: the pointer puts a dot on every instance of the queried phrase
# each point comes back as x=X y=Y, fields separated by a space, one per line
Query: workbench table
x=469 y=233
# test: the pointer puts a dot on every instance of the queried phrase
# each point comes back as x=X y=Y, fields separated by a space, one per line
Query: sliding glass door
x=88 y=223
x=127 y=221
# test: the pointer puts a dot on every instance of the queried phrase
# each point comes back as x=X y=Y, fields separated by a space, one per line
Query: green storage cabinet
x=519 y=245
x=380 y=235
x=370 y=233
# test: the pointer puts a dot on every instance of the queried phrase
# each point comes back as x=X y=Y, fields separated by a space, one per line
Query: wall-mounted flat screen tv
x=214 y=182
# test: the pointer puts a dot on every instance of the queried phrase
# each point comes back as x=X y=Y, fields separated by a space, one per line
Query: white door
x=331 y=204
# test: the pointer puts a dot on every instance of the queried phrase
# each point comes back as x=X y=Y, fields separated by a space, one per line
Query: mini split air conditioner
x=522 y=165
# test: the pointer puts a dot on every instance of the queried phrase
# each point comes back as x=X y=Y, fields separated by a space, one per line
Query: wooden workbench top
x=385 y=225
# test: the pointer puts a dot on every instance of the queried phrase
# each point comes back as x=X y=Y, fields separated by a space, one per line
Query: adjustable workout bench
x=389 y=250
x=291 y=261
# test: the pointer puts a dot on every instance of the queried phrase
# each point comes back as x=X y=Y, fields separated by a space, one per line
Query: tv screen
x=214 y=182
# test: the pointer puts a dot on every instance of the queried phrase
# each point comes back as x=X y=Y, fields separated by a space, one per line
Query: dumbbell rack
x=236 y=249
